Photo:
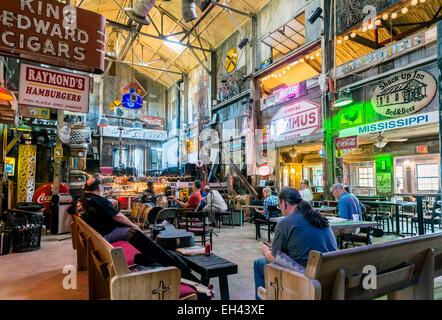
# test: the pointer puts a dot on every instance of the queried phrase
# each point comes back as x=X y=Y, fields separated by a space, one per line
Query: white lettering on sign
x=410 y=121
x=285 y=94
x=128 y=133
x=53 y=89
x=297 y=120
x=347 y=143
x=404 y=93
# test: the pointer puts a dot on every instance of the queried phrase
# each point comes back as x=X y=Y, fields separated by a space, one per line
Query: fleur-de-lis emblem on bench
x=161 y=290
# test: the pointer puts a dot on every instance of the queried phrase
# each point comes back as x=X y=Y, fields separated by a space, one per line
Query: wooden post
x=57 y=177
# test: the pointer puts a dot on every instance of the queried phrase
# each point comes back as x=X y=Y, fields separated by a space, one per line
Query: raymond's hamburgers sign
x=404 y=93
x=54 y=33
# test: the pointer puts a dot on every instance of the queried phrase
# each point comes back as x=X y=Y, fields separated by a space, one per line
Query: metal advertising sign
x=300 y=119
x=54 y=33
x=129 y=133
x=347 y=143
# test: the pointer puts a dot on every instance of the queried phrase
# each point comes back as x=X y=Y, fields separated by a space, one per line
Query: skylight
x=174 y=46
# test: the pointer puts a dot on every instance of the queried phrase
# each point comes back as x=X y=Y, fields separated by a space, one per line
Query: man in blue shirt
x=348 y=205
x=269 y=200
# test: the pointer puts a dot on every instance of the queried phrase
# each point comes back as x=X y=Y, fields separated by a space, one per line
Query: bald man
x=100 y=214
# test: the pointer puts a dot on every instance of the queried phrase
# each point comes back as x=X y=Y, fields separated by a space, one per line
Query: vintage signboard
x=300 y=119
x=391 y=124
x=283 y=95
x=404 y=93
x=347 y=143
x=35 y=112
x=134 y=84
x=52 y=32
x=265 y=170
x=129 y=133
x=153 y=122
x=53 y=89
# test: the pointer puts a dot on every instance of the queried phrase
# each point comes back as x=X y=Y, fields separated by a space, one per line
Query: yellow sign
x=58 y=152
x=10 y=165
x=114 y=104
x=231 y=60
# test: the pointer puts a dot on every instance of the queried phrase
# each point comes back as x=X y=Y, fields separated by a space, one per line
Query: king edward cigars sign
x=51 y=32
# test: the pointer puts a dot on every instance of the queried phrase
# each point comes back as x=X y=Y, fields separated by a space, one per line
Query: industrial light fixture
x=315 y=15
x=345 y=99
x=293 y=153
x=188 y=9
x=139 y=11
x=380 y=141
x=103 y=121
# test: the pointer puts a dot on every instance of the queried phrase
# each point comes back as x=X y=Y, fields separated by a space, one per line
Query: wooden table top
x=340 y=223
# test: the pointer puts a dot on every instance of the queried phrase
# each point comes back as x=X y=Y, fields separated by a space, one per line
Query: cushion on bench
x=186 y=290
x=129 y=251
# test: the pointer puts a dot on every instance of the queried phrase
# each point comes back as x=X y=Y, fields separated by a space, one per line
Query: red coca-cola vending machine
x=60 y=222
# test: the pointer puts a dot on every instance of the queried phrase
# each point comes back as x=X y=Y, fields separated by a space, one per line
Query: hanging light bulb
x=404 y=10
x=364 y=29
x=378 y=22
x=422 y=1
x=385 y=16
x=346 y=38
x=394 y=15
x=353 y=35
x=318 y=54
x=414 y=2
x=293 y=153
x=339 y=41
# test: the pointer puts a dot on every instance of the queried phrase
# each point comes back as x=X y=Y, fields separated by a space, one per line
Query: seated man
x=195 y=198
x=349 y=206
x=214 y=203
x=100 y=214
x=301 y=230
x=269 y=200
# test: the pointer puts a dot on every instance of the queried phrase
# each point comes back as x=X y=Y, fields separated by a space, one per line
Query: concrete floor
x=39 y=274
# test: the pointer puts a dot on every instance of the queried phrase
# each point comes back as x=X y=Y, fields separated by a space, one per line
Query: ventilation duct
x=189 y=10
x=140 y=10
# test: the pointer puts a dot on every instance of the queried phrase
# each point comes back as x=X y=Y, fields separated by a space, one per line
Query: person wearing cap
x=100 y=214
x=301 y=230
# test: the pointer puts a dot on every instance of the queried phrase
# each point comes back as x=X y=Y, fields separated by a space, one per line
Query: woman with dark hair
x=301 y=230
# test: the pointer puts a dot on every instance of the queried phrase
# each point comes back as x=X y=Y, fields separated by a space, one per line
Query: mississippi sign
x=404 y=93
x=300 y=119
x=53 y=89
x=405 y=122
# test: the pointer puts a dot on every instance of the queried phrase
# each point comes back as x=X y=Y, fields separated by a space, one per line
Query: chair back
x=273 y=211
x=168 y=214
x=195 y=221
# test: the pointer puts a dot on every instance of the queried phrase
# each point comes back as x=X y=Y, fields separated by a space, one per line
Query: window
x=399 y=178
x=365 y=177
x=427 y=177
x=313 y=175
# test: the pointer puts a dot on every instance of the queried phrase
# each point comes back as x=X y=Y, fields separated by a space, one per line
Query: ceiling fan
x=381 y=141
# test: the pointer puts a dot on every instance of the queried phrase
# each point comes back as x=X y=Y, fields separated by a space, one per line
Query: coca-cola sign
x=347 y=143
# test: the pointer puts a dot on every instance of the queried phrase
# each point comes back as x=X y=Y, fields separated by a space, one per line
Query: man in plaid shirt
x=269 y=200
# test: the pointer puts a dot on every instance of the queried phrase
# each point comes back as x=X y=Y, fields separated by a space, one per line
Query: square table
x=213 y=266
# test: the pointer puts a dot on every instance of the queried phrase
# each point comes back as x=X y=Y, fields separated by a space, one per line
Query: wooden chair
x=196 y=222
x=404 y=269
x=109 y=275
x=262 y=223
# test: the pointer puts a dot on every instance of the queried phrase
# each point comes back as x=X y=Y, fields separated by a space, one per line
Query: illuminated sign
x=265 y=170
x=283 y=95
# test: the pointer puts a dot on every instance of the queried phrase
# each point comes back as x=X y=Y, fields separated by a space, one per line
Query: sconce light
x=293 y=153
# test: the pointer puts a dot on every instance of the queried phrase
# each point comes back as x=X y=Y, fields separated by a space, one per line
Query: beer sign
x=404 y=93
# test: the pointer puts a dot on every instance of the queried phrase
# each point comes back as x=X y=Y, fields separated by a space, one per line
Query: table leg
x=420 y=215
x=224 y=288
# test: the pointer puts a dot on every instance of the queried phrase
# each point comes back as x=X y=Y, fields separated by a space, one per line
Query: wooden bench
x=109 y=275
x=405 y=269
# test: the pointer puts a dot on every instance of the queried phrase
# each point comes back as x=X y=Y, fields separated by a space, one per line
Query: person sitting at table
x=194 y=199
x=100 y=214
x=269 y=200
x=301 y=230
x=349 y=206
x=214 y=203
x=306 y=191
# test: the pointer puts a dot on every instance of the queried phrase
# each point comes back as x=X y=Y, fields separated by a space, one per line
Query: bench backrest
x=401 y=269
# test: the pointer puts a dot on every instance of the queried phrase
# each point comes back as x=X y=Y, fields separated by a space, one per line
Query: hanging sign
x=129 y=133
x=153 y=122
x=265 y=170
x=134 y=84
x=300 y=119
x=347 y=143
x=404 y=93
x=52 y=32
x=231 y=60
x=283 y=95
x=53 y=89
x=35 y=112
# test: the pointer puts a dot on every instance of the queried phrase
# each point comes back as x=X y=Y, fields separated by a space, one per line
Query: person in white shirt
x=214 y=203
x=305 y=191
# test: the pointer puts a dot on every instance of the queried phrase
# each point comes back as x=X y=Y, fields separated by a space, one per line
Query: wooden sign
x=404 y=93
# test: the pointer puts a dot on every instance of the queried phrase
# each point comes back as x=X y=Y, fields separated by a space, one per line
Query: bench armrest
x=155 y=284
